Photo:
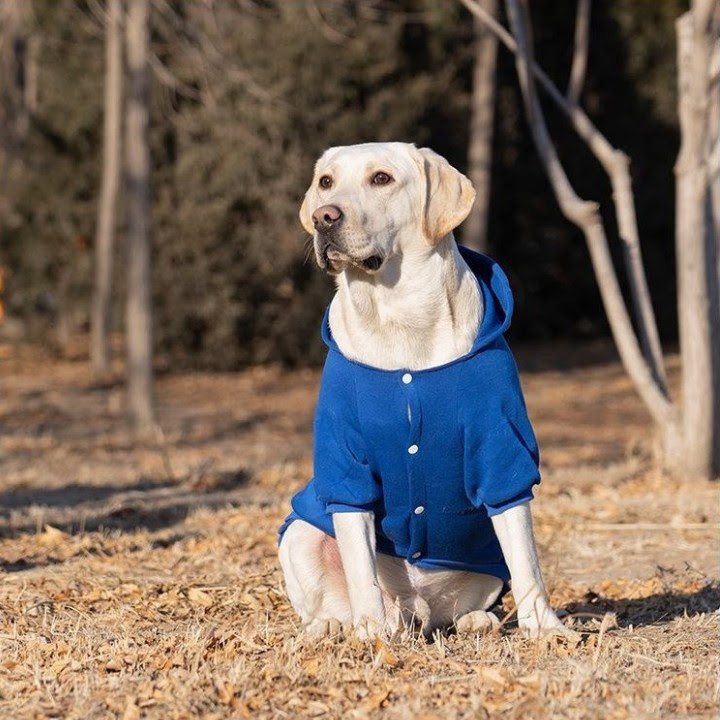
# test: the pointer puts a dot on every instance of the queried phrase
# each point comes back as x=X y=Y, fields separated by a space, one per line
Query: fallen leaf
x=375 y=701
x=52 y=536
x=494 y=675
x=311 y=666
x=129 y=590
x=225 y=691
x=57 y=667
x=164 y=663
x=385 y=656
x=240 y=708
x=199 y=597
x=132 y=711
x=532 y=680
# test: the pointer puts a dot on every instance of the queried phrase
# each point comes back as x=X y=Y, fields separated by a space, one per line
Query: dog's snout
x=327 y=217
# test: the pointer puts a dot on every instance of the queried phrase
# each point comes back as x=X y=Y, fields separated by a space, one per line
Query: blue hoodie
x=433 y=453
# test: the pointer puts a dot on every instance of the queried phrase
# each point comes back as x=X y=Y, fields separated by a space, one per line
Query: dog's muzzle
x=331 y=256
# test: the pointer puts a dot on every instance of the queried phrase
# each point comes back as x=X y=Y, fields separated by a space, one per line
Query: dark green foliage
x=51 y=187
x=231 y=277
x=248 y=94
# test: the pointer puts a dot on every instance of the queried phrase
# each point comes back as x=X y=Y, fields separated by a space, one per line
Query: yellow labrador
x=407 y=304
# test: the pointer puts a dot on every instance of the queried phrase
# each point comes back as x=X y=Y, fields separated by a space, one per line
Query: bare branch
x=580 y=52
x=170 y=80
x=715 y=64
x=586 y=216
x=327 y=30
x=99 y=12
x=616 y=165
x=702 y=14
x=210 y=58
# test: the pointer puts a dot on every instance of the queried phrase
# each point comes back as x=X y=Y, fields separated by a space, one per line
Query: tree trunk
x=107 y=209
x=700 y=391
x=482 y=116
x=15 y=41
x=587 y=217
x=139 y=312
x=616 y=164
x=713 y=216
x=691 y=441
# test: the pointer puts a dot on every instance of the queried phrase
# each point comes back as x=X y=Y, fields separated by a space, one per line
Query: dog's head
x=370 y=202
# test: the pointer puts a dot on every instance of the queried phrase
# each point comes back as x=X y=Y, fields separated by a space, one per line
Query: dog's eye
x=381 y=178
x=325 y=182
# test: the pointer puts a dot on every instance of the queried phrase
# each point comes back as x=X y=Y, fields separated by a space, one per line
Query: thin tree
x=713 y=237
x=111 y=176
x=18 y=73
x=139 y=311
x=482 y=118
x=698 y=299
x=580 y=52
x=689 y=430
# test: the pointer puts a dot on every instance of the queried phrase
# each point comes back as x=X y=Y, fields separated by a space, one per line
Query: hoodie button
x=407 y=378
x=416 y=555
x=413 y=449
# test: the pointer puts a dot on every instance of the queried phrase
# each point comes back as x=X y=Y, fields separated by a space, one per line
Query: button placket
x=414 y=465
x=406 y=379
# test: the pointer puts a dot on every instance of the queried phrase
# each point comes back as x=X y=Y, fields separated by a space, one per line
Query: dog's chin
x=334 y=262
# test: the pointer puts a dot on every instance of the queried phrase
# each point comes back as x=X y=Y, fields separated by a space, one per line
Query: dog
x=417 y=514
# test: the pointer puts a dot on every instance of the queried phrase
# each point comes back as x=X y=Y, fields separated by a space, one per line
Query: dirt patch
x=139 y=580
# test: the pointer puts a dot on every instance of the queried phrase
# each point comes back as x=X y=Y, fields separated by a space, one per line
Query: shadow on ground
x=150 y=504
x=652 y=610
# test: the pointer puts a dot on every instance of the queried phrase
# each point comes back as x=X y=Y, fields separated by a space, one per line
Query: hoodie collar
x=497 y=309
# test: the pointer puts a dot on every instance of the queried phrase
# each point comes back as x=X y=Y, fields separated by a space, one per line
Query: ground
x=140 y=579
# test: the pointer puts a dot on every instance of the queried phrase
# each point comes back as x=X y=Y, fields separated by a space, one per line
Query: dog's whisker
x=308 y=251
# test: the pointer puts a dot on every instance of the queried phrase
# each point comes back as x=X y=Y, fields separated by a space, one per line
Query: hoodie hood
x=497 y=307
x=497 y=297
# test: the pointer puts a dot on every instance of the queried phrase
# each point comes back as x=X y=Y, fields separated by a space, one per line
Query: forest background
x=245 y=95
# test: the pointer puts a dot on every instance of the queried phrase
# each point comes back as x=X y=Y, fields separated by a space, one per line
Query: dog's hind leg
x=477 y=621
x=314 y=578
x=467 y=605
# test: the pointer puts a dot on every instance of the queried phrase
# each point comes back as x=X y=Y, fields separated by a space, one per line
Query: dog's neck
x=420 y=311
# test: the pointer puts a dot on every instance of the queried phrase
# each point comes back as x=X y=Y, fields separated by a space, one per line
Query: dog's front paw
x=368 y=628
x=542 y=622
x=319 y=628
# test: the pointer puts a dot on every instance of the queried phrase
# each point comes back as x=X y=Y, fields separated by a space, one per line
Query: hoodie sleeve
x=342 y=477
x=501 y=450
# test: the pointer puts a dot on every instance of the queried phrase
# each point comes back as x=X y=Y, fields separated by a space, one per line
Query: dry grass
x=142 y=582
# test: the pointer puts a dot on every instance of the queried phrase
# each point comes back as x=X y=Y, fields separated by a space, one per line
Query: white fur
x=421 y=309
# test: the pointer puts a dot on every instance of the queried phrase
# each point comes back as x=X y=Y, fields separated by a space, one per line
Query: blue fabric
x=476 y=452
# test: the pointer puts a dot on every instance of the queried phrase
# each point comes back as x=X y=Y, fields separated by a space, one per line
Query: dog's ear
x=449 y=195
x=306 y=213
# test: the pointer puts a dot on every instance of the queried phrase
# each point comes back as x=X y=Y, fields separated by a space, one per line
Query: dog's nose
x=326 y=217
